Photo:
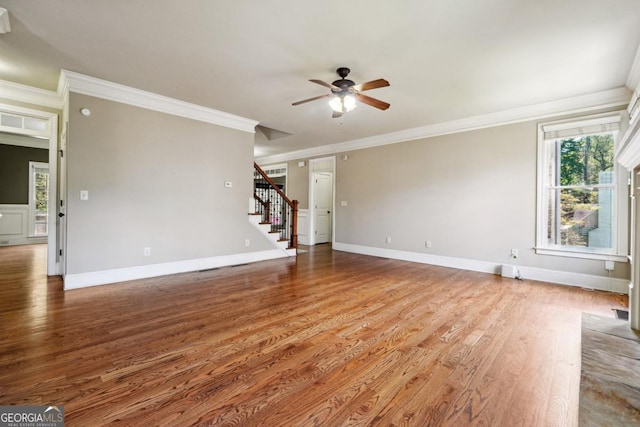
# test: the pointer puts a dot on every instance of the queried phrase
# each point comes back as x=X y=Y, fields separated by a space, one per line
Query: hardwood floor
x=329 y=339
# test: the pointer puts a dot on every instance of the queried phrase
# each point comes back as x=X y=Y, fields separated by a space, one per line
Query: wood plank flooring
x=329 y=339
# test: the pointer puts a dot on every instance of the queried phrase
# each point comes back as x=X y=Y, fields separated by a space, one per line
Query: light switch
x=84 y=195
x=344 y=203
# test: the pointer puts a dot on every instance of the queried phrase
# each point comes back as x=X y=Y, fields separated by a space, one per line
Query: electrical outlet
x=609 y=265
x=514 y=253
x=147 y=251
x=427 y=244
x=388 y=240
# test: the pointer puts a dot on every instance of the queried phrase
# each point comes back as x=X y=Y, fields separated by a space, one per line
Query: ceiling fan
x=345 y=92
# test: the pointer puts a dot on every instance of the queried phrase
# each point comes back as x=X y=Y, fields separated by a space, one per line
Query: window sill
x=583 y=255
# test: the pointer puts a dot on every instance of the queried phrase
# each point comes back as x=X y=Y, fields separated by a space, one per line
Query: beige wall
x=472 y=194
x=298 y=183
x=157 y=181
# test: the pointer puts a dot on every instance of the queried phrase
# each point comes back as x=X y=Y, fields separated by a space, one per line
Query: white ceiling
x=445 y=59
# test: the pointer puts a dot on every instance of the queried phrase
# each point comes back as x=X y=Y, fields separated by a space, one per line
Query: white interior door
x=323 y=198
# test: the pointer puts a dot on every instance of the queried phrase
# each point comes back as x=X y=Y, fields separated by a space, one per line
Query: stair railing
x=265 y=208
x=275 y=207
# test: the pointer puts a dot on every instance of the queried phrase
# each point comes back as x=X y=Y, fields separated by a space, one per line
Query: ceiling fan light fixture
x=343 y=104
x=349 y=102
x=345 y=94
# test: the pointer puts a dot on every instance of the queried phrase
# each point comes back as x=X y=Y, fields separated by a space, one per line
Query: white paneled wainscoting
x=14 y=226
x=303 y=226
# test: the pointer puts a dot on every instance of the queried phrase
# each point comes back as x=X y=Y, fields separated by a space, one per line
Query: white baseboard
x=23 y=241
x=530 y=273
x=94 y=278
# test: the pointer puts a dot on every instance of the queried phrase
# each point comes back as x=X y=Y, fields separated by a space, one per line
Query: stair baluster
x=275 y=207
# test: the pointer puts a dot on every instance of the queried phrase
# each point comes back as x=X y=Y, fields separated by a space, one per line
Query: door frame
x=53 y=261
x=320 y=165
x=634 y=290
x=314 y=210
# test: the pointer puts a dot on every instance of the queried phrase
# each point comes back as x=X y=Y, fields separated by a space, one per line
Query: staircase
x=274 y=214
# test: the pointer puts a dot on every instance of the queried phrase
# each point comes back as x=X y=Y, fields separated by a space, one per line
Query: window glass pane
x=34 y=124
x=551 y=167
x=40 y=195
x=11 y=121
x=583 y=159
x=41 y=190
x=581 y=217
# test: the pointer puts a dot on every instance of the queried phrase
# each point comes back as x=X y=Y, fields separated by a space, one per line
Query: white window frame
x=32 y=198
x=620 y=249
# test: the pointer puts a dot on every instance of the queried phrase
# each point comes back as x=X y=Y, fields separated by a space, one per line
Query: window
x=578 y=192
x=275 y=170
x=38 y=199
x=27 y=125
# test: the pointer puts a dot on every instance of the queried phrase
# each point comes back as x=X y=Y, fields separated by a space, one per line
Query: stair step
x=273 y=235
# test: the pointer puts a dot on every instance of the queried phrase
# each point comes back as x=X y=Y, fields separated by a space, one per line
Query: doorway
x=39 y=128
x=321 y=200
x=24 y=192
x=323 y=205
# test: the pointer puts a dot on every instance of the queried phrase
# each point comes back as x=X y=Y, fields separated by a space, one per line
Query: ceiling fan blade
x=325 y=84
x=373 y=84
x=311 y=99
x=372 y=101
x=335 y=115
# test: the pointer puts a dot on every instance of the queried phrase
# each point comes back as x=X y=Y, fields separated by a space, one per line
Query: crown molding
x=633 y=80
x=31 y=95
x=579 y=104
x=86 y=85
x=5 y=25
x=629 y=153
